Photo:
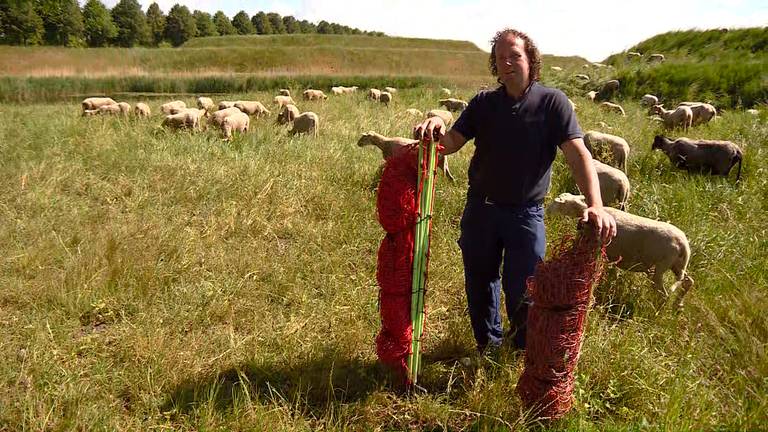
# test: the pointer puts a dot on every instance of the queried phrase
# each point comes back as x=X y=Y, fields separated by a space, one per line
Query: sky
x=590 y=29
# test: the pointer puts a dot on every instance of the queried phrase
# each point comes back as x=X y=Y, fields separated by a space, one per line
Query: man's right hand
x=433 y=127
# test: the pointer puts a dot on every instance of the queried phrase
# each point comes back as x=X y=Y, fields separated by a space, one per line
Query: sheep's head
x=568 y=205
x=366 y=139
x=658 y=142
x=657 y=109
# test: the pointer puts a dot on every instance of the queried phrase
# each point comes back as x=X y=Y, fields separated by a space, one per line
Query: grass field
x=156 y=281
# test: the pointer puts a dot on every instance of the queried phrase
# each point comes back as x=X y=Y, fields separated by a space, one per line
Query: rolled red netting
x=560 y=290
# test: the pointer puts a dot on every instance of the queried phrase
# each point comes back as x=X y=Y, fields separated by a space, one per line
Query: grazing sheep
x=166 y=108
x=312 y=94
x=614 y=184
x=89 y=113
x=640 y=245
x=634 y=55
x=252 y=108
x=607 y=90
x=443 y=114
x=584 y=77
x=141 y=110
x=389 y=147
x=288 y=114
x=385 y=98
x=702 y=112
x=217 y=118
x=284 y=92
x=598 y=65
x=445 y=92
x=681 y=116
x=352 y=89
x=556 y=68
x=573 y=105
x=716 y=157
x=237 y=122
x=205 y=103
x=125 y=108
x=390 y=89
x=753 y=111
x=374 y=94
x=414 y=112
x=649 y=100
x=656 y=58
x=609 y=106
x=337 y=91
x=452 y=104
x=93 y=103
x=305 y=123
x=592 y=95
x=189 y=118
x=618 y=146
x=282 y=101
x=226 y=104
x=113 y=109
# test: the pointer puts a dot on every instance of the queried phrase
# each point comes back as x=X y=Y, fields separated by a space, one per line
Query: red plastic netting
x=396 y=205
x=560 y=289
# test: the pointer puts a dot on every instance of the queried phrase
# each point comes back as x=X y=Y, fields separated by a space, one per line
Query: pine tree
x=155 y=24
x=99 y=27
x=180 y=25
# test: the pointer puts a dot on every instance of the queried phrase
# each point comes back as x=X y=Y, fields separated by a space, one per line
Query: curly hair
x=531 y=51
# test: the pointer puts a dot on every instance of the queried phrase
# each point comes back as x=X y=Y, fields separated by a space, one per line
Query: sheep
x=390 y=146
x=226 y=104
x=385 y=98
x=443 y=114
x=598 y=65
x=374 y=94
x=452 y=104
x=282 y=101
x=306 y=122
x=237 y=122
x=414 y=112
x=205 y=103
x=641 y=244
x=753 y=111
x=607 y=90
x=252 y=108
x=189 y=118
x=390 y=89
x=125 y=108
x=288 y=114
x=634 y=55
x=614 y=184
x=591 y=95
x=682 y=116
x=608 y=106
x=347 y=90
x=649 y=100
x=312 y=94
x=584 y=77
x=556 y=68
x=89 y=113
x=142 y=110
x=445 y=92
x=113 y=109
x=217 y=118
x=337 y=91
x=656 y=58
x=167 y=107
x=618 y=146
x=284 y=92
x=702 y=112
x=716 y=157
x=93 y=103
x=573 y=105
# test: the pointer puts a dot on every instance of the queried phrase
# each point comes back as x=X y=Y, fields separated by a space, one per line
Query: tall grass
x=316 y=40
x=159 y=280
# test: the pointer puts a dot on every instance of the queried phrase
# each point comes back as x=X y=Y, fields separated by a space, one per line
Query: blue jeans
x=492 y=233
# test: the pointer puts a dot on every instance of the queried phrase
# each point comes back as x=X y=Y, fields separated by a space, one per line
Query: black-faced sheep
x=305 y=123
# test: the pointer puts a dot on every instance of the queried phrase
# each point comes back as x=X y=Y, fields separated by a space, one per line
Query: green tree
x=291 y=25
x=99 y=27
x=223 y=24
x=324 y=27
x=205 y=25
x=277 y=23
x=155 y=24
x=19 y=23
x=262 y=24
x=307 y=27
x=62 y=21
x=132 y=28
x=243 y=23
x=180 y=25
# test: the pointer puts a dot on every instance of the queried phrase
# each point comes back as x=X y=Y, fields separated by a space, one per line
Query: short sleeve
x=466 y=125
x=563 y=119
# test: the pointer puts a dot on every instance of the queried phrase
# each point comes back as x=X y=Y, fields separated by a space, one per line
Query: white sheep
x=614 y=184
x=254 y=108
x=205 y=103
x=389 y=146
x=237 y=122
x=656 y=58
x=348 y=90
x=634 y=55
x=90 y=113
x=226 y=104
x=312 y=94
x=337 y=90
x=716 y=157
x=583 y=77
x=113 y=109
x=452 y=104
x=702 y=112
x=217 y=117
x=305 y=123
x=617 y=145
x=680 y=117
x=288 y=114
x=282 y=101
x=284 y=92
x=443 y=114
x=649 y=100
x=414 y=112
x=141 y=110
x=166 y=108
x=93 y=103
x=556 y=68
x=591 y=95
x=385 y=98
x=640 y=245
x=612 y=107
x=753 y=111
x=374 y=94
x=125 y=108
x=445 y=92
x=390 y=89
x=188 y=118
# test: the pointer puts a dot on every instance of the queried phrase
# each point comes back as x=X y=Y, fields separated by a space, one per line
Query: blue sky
x=591 y=29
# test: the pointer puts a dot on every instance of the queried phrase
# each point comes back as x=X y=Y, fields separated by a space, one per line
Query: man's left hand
x=603 y=222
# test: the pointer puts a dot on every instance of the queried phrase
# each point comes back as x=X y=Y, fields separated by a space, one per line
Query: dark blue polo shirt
x=516 y=142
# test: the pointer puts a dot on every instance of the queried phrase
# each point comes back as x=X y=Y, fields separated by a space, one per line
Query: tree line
x=64 y=22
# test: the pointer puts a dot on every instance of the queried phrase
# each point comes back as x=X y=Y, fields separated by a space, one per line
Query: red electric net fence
x=396 y=205
x=560 y=289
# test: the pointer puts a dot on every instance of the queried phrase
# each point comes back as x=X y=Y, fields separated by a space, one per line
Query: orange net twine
x=560 y=289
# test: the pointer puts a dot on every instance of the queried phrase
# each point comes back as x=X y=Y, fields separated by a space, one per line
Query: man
x=517 y=129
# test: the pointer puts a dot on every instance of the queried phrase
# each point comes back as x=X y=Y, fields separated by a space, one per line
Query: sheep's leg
x=658 y=283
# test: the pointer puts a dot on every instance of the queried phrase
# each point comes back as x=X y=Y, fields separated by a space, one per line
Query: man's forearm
x=451 y=142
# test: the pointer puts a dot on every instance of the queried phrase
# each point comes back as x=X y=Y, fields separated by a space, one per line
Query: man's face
x=512 y=62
